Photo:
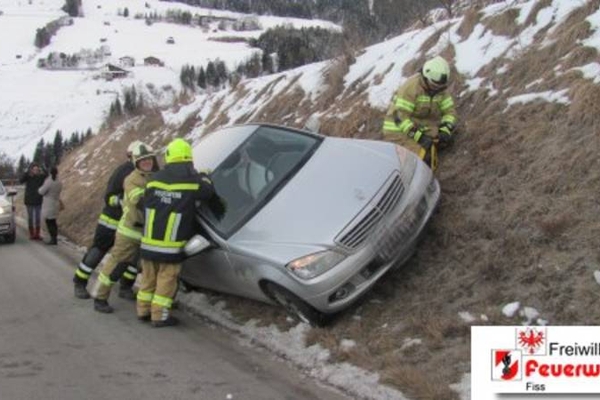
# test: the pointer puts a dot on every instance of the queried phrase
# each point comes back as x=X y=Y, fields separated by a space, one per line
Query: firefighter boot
x=102 y=306
x=31 y=233
x=81 y=291
x=126 y=292
x=37 y=234
x=170 y=321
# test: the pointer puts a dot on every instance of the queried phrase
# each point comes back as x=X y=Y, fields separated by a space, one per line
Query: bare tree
x=449 y=6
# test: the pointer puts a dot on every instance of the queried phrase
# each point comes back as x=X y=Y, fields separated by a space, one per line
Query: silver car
x=8 y=228
x=312 y=222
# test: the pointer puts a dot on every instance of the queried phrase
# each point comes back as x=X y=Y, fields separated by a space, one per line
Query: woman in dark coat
x=33 y=180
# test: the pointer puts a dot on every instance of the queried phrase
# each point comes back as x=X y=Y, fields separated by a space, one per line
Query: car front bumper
x=390 y=246
x=7 y=224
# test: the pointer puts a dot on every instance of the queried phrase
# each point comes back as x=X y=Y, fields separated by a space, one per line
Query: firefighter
x=422 y=110
x=170 y=202
x=104 y=237
x=129 y=231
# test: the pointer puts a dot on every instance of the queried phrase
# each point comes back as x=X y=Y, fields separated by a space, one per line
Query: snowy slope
x=34 y=103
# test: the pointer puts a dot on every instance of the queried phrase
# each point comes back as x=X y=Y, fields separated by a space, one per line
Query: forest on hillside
x=387 y=17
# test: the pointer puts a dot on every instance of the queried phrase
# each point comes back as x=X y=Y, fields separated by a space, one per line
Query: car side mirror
x=196 y=245
x=12 y=193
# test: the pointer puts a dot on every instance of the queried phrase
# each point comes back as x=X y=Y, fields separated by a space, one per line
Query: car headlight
x=408 y=159
x=5 y=209
x=315 y=264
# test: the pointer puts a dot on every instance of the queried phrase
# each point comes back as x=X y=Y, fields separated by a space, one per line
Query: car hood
x=4 y=201
x=320 y=200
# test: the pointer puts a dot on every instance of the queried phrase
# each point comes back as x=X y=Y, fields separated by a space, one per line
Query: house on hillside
x=126 y=61
x=153 y=61
x=110 y=72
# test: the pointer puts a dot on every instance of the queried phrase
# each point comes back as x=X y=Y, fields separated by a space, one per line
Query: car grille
x=383 y=203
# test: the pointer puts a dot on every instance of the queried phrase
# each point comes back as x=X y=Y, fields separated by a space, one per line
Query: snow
x=597 y=276
x=510 y=309
x=466 y=316
x=347 y=344
x=530 y=314
x=290 y=344
x=35 y=103
x=549 y=96
x=478 y=50
x=591 y=71
x=379 y=58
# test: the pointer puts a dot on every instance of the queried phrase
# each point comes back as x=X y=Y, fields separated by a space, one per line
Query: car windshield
x=250 y=175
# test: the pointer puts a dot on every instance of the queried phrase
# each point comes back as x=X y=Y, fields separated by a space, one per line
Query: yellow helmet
x=436 y=73
x=178 y=151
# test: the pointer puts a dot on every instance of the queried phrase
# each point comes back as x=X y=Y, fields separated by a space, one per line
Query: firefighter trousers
x=120 y=264
x=157 y=289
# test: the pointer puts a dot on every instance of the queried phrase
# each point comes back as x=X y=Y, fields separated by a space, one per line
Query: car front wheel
x=295 y=306
x=10 y=238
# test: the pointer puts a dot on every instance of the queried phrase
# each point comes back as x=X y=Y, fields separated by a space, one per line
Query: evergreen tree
x=74 y=140
x=58 y=147
x=201 y=78
x=126 y=12
x=22 y=165
x=221 y=69
x=88 y=134
x=267 y=63
x=71 y=7
x=49 y=158
x=38 y=154
x=7 y=169
x=211 y=74
x=118 y=108
x=42 y=38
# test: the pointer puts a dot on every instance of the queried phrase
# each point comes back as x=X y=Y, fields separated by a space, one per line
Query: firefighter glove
x=422 y=139
x=114 y=201
x=445 y=131
x=217 y=205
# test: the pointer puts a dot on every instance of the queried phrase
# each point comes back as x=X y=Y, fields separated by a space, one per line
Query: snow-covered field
x=35 y=103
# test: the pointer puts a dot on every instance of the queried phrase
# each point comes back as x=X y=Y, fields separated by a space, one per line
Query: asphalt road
x=53 y=346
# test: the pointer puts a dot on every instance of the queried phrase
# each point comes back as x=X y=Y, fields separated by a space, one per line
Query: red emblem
x=531 y=340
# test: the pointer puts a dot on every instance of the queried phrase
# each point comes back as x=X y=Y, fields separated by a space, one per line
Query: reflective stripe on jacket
x=132 y=220
x=170 y=211
x=411 y=105
x=112 y=212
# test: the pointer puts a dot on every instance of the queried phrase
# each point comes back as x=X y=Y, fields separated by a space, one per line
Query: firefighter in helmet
x=104 y=236
x=421 y=111
x=170 y=203
x=129 y=231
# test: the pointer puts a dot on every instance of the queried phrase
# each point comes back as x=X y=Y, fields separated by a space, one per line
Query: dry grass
x=538 y=6
x=517 y=220
x=503 y=24
x=470 y=19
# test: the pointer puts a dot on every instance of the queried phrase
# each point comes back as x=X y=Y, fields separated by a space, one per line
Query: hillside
x=36 y=102
x=518 y=216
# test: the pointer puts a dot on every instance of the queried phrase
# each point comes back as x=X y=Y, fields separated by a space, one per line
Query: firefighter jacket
x=412 y=107
x=111 y=213
x=132 y=220
x=170 y=205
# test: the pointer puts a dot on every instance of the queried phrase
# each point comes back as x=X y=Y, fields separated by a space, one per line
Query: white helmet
x=436 y=73
x=132 y=146
x=140 y=150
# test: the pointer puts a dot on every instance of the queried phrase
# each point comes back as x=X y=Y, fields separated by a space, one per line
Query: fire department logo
x=506 y=365
x=532 y=341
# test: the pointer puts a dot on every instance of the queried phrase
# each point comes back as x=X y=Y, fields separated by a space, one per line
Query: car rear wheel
x=295 y=306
